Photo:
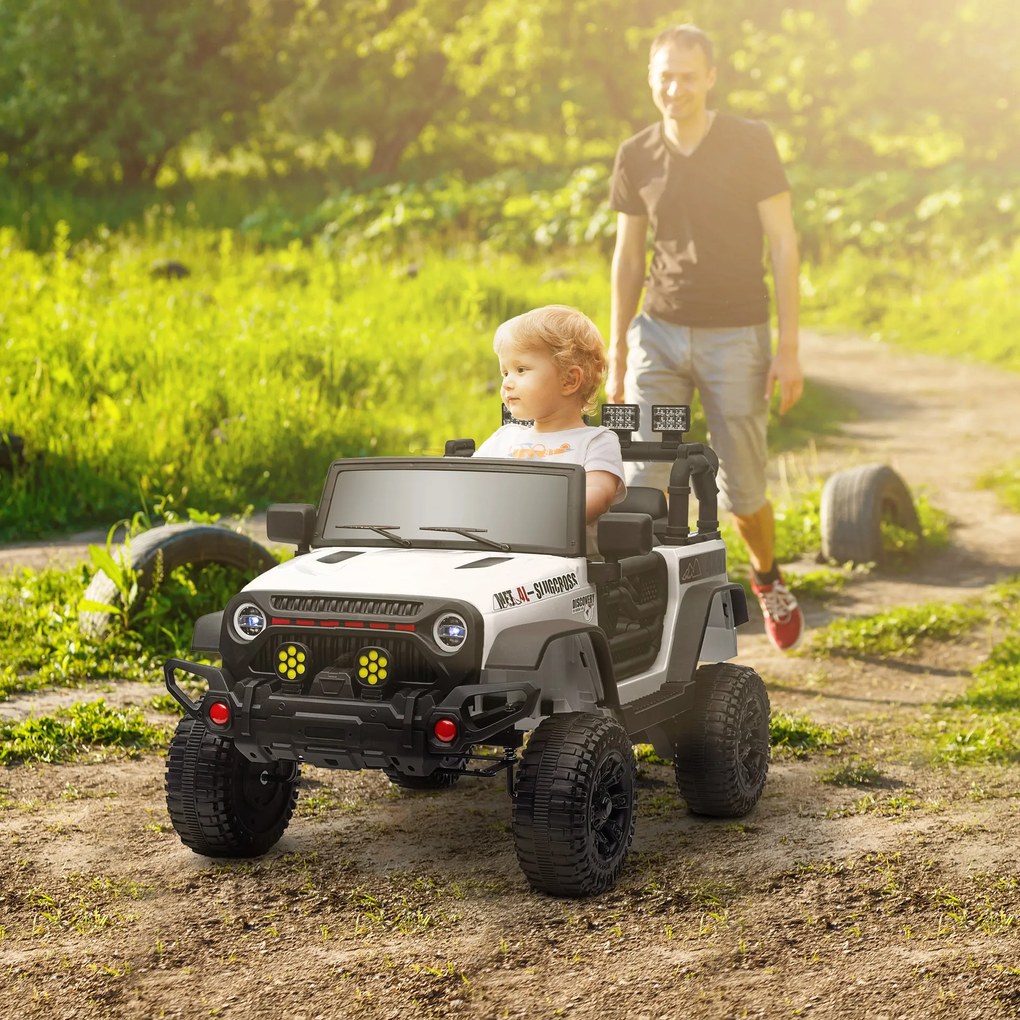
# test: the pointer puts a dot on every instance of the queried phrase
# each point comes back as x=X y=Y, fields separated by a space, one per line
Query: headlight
x=249 y=621
x=450 y=631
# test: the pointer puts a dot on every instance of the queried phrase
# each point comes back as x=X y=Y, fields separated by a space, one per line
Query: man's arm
x=776 y=217
x=627 y=277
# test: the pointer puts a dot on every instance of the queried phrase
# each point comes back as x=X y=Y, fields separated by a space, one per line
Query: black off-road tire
x=854 y=505
x=221 y=804
x=722 y=753
x=161 y=550
x=573 y=810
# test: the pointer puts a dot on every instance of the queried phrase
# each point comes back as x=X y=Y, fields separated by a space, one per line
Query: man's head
x=566 y=336
x=681 y=71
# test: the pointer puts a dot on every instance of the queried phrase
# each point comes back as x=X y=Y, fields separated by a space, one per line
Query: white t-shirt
x=595 y=447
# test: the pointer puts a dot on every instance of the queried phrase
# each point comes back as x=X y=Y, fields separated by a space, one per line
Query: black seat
x=643 y=499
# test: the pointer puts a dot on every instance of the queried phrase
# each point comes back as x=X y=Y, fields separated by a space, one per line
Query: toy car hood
x=489 y=579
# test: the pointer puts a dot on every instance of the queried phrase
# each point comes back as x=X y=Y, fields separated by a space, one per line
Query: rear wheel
x=722 y=756
x=573 y=810
x=221 y=804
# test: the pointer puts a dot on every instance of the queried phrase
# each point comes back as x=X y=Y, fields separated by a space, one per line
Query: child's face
x=532 y=384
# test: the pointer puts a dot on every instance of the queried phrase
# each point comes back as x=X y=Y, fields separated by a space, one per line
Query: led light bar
x=671 y=418
x=621 y=417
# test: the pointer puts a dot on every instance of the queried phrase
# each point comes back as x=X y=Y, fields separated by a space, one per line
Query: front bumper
x=268 y=725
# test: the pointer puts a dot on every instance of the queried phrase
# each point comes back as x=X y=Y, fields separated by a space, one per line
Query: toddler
x=553 y=361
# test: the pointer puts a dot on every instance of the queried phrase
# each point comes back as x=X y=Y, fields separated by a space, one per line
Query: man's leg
x=731 y=366
x=758 y=530
x=658 y=372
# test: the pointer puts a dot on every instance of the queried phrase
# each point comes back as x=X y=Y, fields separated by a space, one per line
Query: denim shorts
x=728 y=367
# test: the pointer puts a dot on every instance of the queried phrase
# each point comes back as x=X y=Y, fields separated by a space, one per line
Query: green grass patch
x=798 y=735
x=1005 y=483
x=898 y=631
x=83 y=727
x=817 y=585
x=855 y=772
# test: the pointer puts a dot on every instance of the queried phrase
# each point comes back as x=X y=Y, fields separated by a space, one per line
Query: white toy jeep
x=439 y=605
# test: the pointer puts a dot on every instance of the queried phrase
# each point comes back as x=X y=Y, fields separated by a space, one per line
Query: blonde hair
x=569 y=336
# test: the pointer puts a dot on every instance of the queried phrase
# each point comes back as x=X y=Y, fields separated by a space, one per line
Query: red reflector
x=219 y=713
x=379 y=626
x=329 y=623
x=277 y=620
x=445 y=731
x=351 y=623
x=304 y=623
x=404 y=626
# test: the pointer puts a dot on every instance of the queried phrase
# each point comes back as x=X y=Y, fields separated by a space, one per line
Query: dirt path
x=899 y=899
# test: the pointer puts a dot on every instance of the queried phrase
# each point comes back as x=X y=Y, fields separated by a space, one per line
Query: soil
x=898 y=898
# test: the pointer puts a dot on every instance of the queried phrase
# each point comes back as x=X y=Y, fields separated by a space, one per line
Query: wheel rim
x=754 y=745
x=260 y=796
x=611 y=806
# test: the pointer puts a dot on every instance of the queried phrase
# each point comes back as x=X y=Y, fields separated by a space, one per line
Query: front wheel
x=221 y=804
x=722 y=754
x=573 y=810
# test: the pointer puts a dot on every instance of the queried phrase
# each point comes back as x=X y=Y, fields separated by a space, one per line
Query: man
x=712 y=187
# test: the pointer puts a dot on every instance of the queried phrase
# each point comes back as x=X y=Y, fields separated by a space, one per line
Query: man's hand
x=614 y=379
x=785 y=370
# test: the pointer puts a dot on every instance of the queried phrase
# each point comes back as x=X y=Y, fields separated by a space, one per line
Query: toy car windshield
x=443 y=503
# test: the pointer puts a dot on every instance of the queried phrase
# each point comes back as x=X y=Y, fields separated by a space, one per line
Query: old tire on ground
x=722 y=753
x=573 y=810
x=163 y=549
x=221 y=804
x=855 y=503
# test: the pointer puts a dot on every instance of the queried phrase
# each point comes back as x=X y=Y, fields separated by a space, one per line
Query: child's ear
x=571 y=381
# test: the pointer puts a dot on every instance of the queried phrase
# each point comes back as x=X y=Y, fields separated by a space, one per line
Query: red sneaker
x=784 y=622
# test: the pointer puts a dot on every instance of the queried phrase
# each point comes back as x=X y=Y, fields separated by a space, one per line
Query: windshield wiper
x=382 y=529
x=475 y=533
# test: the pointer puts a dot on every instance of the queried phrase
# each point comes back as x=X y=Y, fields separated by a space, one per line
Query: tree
x=118 y=84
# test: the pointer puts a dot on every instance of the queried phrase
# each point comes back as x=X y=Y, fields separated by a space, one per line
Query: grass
x=898 y=631
x=83 y=727
x=238 y=384
x=1005 y=483
x=797 y=735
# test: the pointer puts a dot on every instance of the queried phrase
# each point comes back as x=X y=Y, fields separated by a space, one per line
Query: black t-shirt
x=707 y=267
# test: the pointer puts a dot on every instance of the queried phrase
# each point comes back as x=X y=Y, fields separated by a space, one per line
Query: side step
x=669 y=701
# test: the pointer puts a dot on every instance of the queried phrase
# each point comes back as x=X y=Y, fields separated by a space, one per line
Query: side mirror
x=459 y=448
x=623 y=535
x=293 y=523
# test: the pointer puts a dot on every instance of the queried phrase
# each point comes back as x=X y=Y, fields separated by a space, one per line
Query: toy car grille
x=344 y=606
x=408 y=664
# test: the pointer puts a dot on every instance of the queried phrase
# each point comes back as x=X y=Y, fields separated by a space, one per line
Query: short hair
x=569 y=336
x=687 y=36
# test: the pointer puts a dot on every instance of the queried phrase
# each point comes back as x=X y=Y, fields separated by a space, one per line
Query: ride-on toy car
x=440 y=605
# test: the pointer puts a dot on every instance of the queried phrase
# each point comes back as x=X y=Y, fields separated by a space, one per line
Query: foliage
x=83 y=726
x=897 y=631
x=797 y=735
x=128 y=80
x=1005 y=481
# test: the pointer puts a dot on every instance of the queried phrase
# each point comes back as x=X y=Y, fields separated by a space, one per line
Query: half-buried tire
x=157 y=552
x=855 y=505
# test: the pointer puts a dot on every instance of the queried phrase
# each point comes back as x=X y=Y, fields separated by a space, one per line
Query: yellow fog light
x=373 y=666
x=292 y=661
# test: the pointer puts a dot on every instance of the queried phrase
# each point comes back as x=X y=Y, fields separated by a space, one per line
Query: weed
x=856 y=772
x=798 y=735
x=83 y=726
x=897 y=631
